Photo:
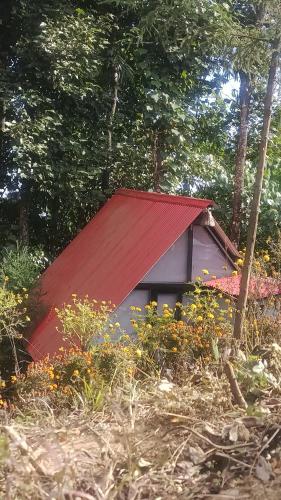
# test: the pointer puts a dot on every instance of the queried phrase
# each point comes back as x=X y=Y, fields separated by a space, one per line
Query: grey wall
x=207 y=255
x=172 y=267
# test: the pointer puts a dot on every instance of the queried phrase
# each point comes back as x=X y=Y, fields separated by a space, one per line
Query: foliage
x=193 y=330
x=86 y=321
x=21 y=267
x=12 y=313
x=173 y=59
x=69 y=374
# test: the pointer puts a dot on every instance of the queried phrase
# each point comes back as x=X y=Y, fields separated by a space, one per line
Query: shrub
x=86 y=321
x=193 y=330
x=13 y=319
x=22 y=267
x=61 y=378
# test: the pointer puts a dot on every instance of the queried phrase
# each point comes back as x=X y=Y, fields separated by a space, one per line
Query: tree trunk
x=24 y=223
x=238 y=185
x=254 y=215
x=105 y=181
x=157 y=162
x=24 y=213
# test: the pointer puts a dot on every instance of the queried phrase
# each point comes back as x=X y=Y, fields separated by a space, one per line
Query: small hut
x=139 y=247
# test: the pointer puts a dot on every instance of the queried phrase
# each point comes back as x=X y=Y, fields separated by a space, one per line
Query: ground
x=152 y=440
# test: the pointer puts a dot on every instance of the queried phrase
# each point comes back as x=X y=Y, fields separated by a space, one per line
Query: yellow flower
x=138 y=309
x=6 y=278
x=149 y=326
x=211 y=316
x=220 y=295
x=234 y=273
x=165 y=306
x=266 y=258
x=74 y=295
x=139 y=353
x=133 y=308
x=147 y=306
x=240 y=262
x=227 y=301
x=27 y=318
x=2 y=383
x=51 y=375
x=154 y=303
x=178 y=304
x=117 y=324
x=199 y=318
x=205 y=271
x=13 y=379
x=193 y=307
x=198 y=278
x=174 y=349
x=75 y=373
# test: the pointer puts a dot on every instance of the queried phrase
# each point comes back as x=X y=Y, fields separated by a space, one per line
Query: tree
x=238 y=182
x=254 y=215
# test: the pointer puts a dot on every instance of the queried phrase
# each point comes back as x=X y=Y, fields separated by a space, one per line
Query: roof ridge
x=165 y=198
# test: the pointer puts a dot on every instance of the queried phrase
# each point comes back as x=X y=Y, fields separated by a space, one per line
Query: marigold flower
x=240 y=262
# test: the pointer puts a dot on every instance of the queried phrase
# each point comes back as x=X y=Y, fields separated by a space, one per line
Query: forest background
x=100 y=95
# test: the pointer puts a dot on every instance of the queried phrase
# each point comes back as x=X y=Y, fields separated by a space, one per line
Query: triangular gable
x=112 y=254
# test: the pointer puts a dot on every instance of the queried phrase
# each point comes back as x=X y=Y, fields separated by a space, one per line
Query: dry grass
x=189 y=443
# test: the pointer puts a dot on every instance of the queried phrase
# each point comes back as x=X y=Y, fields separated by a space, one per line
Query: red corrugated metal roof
x=112 y=254
x=260 y=288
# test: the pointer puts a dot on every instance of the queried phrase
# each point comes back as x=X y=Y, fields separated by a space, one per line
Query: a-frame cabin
x=139 y=247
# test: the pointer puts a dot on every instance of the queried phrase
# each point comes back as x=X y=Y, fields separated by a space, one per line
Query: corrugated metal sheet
x=111 y=255
x=260 y=288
